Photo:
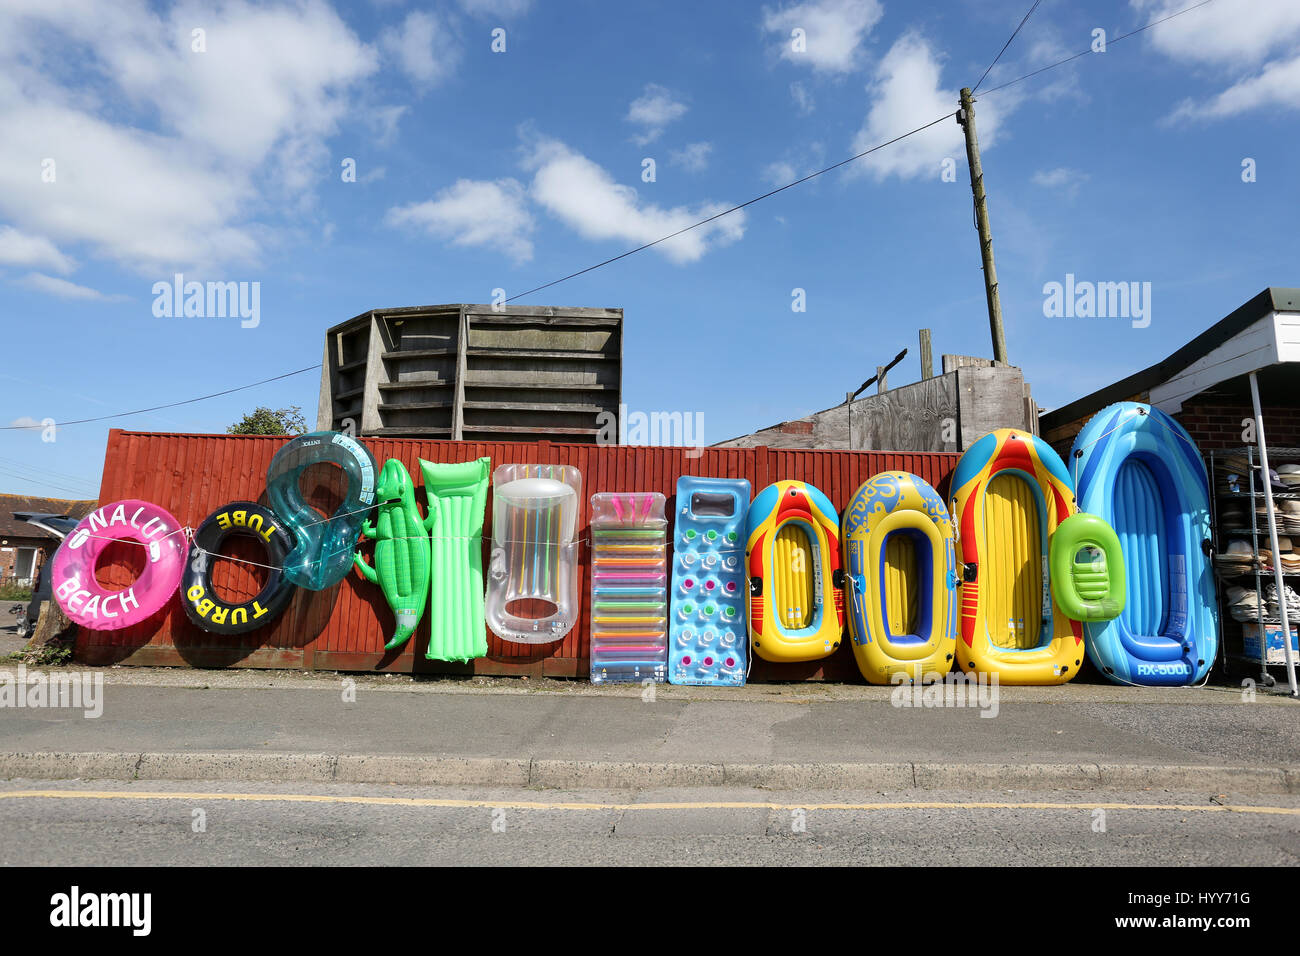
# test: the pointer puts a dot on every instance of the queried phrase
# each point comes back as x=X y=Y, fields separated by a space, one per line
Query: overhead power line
x=82 y=488
x=727 y=212
x=851 y=159
x=1007 y=44
x=155 y=408
x=60 y=475
x=1113 y=40
x=702 y=222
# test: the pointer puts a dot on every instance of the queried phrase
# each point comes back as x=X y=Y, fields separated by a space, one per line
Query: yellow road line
x=540 y=805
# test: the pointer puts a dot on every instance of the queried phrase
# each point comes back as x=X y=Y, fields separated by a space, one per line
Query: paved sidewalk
x=267 y=725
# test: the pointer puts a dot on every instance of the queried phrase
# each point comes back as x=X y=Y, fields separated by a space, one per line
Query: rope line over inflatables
x=1078 y=455
x=449 y=537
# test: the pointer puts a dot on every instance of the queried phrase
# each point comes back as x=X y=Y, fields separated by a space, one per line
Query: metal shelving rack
x=1232 y=632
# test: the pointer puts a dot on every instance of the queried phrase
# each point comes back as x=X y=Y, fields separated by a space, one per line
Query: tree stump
x=52 y=626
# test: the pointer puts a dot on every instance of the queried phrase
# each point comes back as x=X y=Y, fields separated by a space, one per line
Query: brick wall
x=1220 y=426
x=1212 y=426
x=9 y=558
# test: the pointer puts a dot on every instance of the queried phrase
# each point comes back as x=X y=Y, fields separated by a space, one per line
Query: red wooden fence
x=344 y=627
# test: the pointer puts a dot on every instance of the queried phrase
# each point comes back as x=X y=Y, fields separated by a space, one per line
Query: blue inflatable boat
x=1139 y=470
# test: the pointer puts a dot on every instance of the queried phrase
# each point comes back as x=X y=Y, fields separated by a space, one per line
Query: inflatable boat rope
x=275 y=567
x=1077 y=456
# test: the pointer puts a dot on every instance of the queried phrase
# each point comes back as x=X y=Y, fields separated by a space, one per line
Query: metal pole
x=1272 y=538
x=848 y=401
x=966 y=117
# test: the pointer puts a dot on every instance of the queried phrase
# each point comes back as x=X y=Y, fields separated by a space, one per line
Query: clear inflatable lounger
x=532 y=591
x=629 y=587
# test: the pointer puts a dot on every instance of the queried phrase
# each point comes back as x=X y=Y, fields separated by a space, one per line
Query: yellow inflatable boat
x=1010 y=492
x=901 y=581
x=792 y=557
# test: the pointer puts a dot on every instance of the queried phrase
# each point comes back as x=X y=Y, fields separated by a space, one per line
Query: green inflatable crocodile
x=401 y=539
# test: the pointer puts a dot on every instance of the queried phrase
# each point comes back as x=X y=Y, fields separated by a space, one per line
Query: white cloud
x=383 y=120
x=654 y=109
x=694 y=157
x=493 y=214
x=585 y=197
x=25 y=421
x=20 y=249
x=1052 y=178
x=64 y=289
x=779 y=173
x=802 y=98
x=423 y=47
x=496 y=8
x=906 y=92
x=1062 y=178
x=1277 y=85
x=833 y=31
x=1047 y=47
x=796 y=164
x=1234 y=36
x=162 y=153
x=1226 y=32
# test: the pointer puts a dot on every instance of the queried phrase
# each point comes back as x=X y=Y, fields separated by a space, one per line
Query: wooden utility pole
x=966 y=117
x=927 y=361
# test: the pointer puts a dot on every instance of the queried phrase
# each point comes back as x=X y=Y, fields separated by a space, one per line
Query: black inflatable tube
x=201 y=603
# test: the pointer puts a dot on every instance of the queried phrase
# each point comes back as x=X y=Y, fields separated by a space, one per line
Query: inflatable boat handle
x=856 y=584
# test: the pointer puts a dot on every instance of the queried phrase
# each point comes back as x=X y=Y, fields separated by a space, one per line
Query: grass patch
x=14 y=592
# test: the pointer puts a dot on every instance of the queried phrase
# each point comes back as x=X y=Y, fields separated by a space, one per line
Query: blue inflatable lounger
x=706 y=626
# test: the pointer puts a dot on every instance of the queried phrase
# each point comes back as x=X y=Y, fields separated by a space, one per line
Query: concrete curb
x=598 y=775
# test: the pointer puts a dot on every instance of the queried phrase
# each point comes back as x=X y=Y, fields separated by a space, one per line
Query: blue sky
x=478 y=170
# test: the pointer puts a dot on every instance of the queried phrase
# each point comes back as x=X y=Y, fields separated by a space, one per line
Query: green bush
x=53 y=654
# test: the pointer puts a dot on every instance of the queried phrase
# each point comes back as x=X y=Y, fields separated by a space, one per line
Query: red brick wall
x=1220 y=426
x=9 y=558
x=1211 y=426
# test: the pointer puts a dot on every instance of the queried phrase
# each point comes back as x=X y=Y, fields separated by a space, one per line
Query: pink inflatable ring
x=85 y=600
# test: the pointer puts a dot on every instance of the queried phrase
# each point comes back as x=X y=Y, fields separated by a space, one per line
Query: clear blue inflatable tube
x=322 y=553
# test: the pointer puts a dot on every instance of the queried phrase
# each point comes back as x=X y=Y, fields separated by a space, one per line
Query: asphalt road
x=198 y=823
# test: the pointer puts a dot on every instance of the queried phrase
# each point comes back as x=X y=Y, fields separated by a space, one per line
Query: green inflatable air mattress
x=457 y=497
x=401 y=551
